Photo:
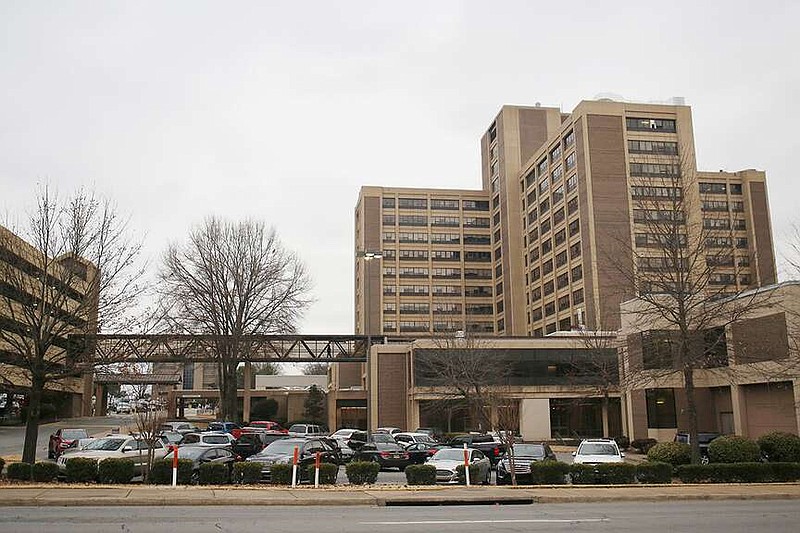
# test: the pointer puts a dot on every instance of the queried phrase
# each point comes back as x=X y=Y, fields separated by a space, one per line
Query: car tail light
x=496 y=451
x=405 y=455
x=384 y=454
x=237 y=458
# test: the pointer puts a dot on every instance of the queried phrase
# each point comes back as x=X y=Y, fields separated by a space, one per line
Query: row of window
x=437 y=255
x=425 y=326
x=722 y=205
x=435 y=238
x=435 y=204
x=724 y=223
x=440 y=221
x=654 y=170
x=449 y=273
x=653 y=147
x=650 y=124
x=562 y=304
x=720 y=188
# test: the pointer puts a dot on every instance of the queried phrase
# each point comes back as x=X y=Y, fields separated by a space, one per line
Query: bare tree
x=233 y=279
x=72 y=269
x=148 y=428
x=690 y=272
x=597 y=367
x=468 y=371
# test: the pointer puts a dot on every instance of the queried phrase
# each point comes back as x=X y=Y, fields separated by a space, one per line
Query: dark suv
x=703 y=439
x=282 y=451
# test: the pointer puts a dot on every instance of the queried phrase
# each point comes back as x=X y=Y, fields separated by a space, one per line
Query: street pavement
x=729 y=517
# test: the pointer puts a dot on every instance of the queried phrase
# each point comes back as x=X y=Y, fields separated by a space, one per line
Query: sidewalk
x=44 y=495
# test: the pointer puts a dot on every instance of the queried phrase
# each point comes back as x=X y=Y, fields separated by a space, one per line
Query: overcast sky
x=282 y=110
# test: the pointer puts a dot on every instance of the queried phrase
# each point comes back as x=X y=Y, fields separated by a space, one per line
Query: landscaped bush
x=115 y=471
x=81 y=470
x=739 y=472
x=327 y=473
x=362 y=472
x=549 y=473
x=2 y=464
x=246 y=473
x=44 y=471
x=780 y=447
x=474 y=474
x=421 y=475
x=623 y=442
x=281 y=474
x=674 y=453
x=643 y=445
x=733 y=449
x=654 y=472
x=19 y=471
x=161 y=473
x=603 y=474
x=213 y=474
x=784 y=472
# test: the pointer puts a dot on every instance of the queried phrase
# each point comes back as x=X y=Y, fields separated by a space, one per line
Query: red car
x=269 y=426
x=63 y=439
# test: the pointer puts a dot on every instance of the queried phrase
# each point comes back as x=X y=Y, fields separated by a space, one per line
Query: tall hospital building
x=534 y=250
x=539 y=250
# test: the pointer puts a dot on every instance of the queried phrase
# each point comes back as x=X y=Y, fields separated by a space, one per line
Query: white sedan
x=447 y=460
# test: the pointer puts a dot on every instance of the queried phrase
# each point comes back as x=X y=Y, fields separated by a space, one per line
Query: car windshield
x=298 y=428
x=281 y=447
x=383 y=438
x=535 y=450
x=597 y=448
x=190 y=452
x=72 y=434
x=105 y=444
x=451 y=454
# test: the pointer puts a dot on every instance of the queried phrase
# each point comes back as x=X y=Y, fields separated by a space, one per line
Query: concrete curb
x=111 y=496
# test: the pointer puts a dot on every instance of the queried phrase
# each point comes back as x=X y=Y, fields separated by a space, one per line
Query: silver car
x=117 y=447
x=207 y=438
x=447 y=460
x=597 y=451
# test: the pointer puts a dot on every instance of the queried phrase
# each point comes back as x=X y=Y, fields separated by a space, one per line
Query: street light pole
x=368 y=256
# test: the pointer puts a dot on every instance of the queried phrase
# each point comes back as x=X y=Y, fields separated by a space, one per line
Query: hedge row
x=739 y=473
x=362 y=472
x=421 y=475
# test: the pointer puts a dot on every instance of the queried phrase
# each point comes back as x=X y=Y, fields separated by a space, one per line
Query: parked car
x=282 y=451
x=703 y=439
x=208 y=438
x=435 y=433
x=306 y=430
x=524 y=455
x=389 y=430
x=384 y=450
x=343 y=434
x=206 y=454
x=116 y=446
x=597 y=451
x=406 y=438
x=249 y=444
x=226 y=427
x=268 y=425
x=447 y=460
x=170 y=438
x=123 y=408
x=485 y=443
x=179 y=426
x=419 y=452
x=63 y=439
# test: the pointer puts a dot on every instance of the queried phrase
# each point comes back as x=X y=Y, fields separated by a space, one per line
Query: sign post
x=316 y=470
x=294 y=467
x=174 y=466
x=466 y=464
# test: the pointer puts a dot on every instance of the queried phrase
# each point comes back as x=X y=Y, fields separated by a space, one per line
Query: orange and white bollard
x=294 y=467
x=174 y=466
x=316 y=470
x=466 y=464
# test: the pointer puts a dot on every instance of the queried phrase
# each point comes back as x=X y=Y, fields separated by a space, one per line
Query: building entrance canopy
x=109 y=349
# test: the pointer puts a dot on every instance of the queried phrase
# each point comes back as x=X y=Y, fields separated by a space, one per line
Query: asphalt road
x=729 y=517
x=12 y=437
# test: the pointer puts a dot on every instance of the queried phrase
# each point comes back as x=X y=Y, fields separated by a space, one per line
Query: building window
x=445 y=255
x=547 y=246
x=577 y=273
x=558 y=194
x=446 y=273
x=577 y=297
x=555 y=153
x=414 y=255
x=563 y=303
x=713 y=188
x=413 y=237
x=445 y=205
x=562 y=281
x=388 y=203
x=653 y=147
x=545 y=227
x=445 y=221
x=558 y=172
x=736 y=188
x=560 y=237
x=412 y=220
x=572 y=183
x=570 y=161
x=656 y=193
x=651 y=124
x=572 y=206
x=575 y=250
x=549 y=288
x=476 y=222
x=549 y=309
x=536 y=273
x=388 y=220
x=536 y=294
x=541 y=167
x=388 y=236
x=569 y=139
x=558 y=216
x=477 y=239
x=654 y=170
x=565 y=325
x=475 y=205
x=661 y=409
x=188 y=376
x=561 y=259
x=446 y=238
x=714 y=205
x=412 y=203
x=716 y=223
x=414 y=308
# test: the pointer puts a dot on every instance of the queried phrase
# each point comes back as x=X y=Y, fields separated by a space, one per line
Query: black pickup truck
x=485 y=443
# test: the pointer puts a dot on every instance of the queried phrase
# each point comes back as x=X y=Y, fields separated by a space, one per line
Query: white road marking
x=517 y=521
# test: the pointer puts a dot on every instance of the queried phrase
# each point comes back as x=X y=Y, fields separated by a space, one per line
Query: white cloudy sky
x=282 y=110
